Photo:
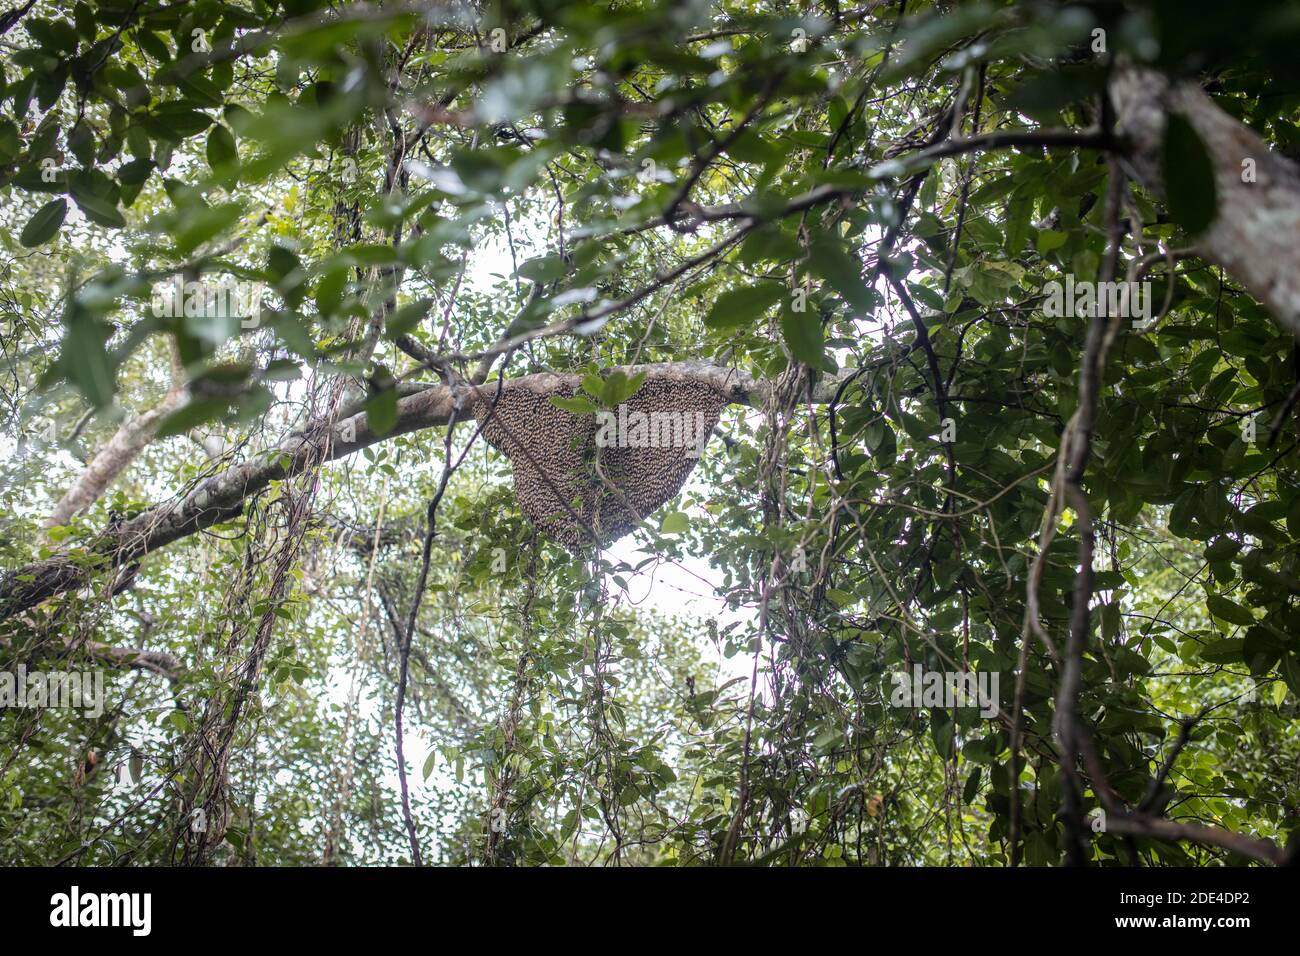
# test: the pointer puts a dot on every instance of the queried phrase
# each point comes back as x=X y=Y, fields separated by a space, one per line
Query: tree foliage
x=857 y=211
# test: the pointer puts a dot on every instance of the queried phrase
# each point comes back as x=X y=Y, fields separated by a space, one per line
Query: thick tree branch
x=124 y=447
x=221 y=496
x=1253 y=235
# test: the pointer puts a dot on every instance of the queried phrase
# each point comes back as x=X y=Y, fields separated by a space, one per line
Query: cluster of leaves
x=656 y=162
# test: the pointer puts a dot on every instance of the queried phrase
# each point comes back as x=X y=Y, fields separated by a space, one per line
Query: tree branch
x=1253 y=235
x=220 y=497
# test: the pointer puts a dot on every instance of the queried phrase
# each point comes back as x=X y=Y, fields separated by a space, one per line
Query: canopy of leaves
x=399 y=194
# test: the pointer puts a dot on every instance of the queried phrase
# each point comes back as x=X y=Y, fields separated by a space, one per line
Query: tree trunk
x=1255 y=234
x=122 y=449
x=221 y=496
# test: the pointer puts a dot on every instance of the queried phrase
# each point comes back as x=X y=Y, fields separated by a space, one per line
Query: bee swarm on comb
x=645 y=450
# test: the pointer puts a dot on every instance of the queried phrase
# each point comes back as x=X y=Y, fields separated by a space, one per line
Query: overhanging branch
x=1253 y=235
x=220 y=497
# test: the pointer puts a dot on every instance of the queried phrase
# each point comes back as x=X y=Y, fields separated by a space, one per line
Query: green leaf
x=42 y=226
x=179 y=721
x=1020 y=209
x=1291 y=672
x=619 y=388
x=135 y=172
x=222 y=151
x=369 y=254
x=84 y=360
x=972 y=788
x=381 y=411
x=831 y=259
x=828 y=740
x=768 y=244
x=191 y=415
x=138 y=142
x=802 y=332
x=1044 y=94
x=738 y=307
x=406 y=318
x=545 y=269
x=81 y=141
x=577 y=405
x=330 y=289
x=99 y=209
x=1189 y=176
x=1228 y=651
x=1050 y=240
x=675 y=522
x=1229 y=611
x=176 y=120
x=200 y=225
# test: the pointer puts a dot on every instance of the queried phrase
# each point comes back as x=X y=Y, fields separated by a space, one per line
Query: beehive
x=553 y=453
